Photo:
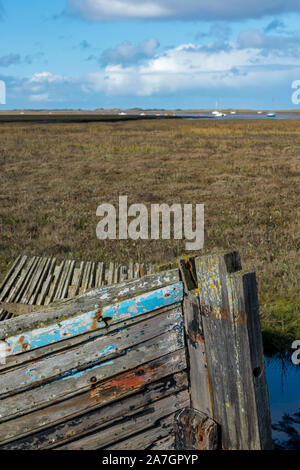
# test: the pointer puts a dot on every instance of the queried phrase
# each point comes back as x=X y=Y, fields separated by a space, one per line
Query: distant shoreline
x=70 y=116
x=138 y=111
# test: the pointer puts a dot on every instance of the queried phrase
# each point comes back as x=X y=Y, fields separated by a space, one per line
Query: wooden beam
x=199 y=379
x=234 y=351
x=86 y=303
x=195 y=431
x=71 y=418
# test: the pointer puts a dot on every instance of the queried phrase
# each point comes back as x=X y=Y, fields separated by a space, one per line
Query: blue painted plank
x=96 y=319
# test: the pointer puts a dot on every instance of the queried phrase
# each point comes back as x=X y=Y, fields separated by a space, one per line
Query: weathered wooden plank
x=57 y=277
x=16 y=291
x=166 y=443
x=61 y=283
x=200 y=388
x=74 y=282
x=37 y=281
x=150 y=269
x=46 y=286
x=26 y=357
x=228 y=321
x=20 y=309
x=103 y=416
x=99 y=310
x=66 y=417
x=80 y=278
x=136 y=270
x=95 y=319
x=142 y=270
x=146 y=439
x=69 y=275
x=116 y=273
x=87 y=354
x=91 y=281
x=110 y=275
x=22 y=297
x=194 y=430
x=85 y=275
x=40 y=281
x=123 y=273
x=99 y=275
x=70 y=385
x=32 y=281
x=144 y=419
x=9 y=275
x=5 y=290
x=130 y=271
x=242 y=290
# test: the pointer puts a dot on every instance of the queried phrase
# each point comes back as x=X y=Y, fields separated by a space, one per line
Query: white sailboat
x=218 y=113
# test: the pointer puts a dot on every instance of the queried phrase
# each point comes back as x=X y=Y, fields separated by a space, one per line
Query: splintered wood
x=40 y=281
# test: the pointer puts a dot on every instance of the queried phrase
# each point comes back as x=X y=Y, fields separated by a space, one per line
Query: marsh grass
x=247 y=173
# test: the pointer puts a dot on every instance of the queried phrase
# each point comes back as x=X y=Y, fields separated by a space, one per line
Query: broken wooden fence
x=170 y=360
x=35 y=281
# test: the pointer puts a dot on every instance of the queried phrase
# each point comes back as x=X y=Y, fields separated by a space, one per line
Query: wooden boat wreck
x=169 y=360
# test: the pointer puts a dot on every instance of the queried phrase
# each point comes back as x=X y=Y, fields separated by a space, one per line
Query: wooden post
x=195 y=431
x=199 y=380
x=233 y=351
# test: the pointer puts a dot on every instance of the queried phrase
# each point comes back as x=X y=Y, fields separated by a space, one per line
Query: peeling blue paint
x=74 y=374
x=83 y=323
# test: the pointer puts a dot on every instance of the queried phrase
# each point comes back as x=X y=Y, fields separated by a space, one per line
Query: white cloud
x=46 y=77
x=110 y=10
x=254 y=39
x=39 y=98
x=128 y=53
x=190 y=67
x=99 y=10
x=187 y=69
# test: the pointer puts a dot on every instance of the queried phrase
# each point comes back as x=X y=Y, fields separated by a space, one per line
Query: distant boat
x=271 y=115
x=218 y=114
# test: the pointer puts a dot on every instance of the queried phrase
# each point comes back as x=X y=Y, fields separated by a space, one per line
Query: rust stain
x=224 y=314
x=122 y=384
x=24 y=345
x=98 y=317
x=200 y=432
x=195 y=337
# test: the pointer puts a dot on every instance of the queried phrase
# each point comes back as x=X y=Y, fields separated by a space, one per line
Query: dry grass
x=246 y=173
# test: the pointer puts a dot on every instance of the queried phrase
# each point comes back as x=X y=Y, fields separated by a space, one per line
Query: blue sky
x=149 y=53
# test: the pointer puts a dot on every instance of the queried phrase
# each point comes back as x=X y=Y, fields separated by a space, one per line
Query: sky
x=172 y=54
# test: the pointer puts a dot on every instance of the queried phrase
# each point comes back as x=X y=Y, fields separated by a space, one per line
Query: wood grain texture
x=86 y=355
x=230 y=324
x=29 y=356
x=85 y=303
x=80 y=381
x=147 y=439
x=194 y=430
x=40 y=281
x=200 y=389
x=146 y=417
x=75 y=416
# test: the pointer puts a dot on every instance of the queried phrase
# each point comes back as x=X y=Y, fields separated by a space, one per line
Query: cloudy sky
x=149 y=53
